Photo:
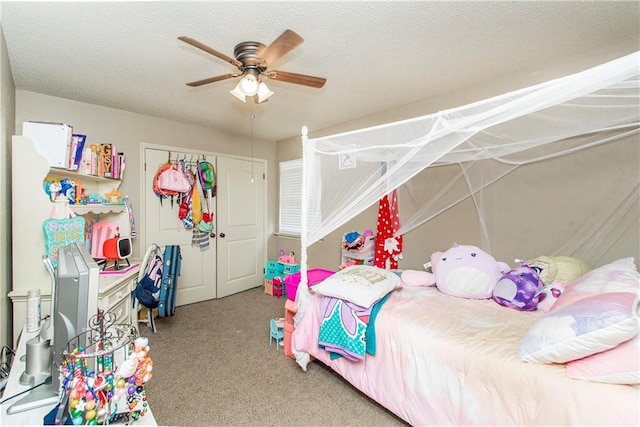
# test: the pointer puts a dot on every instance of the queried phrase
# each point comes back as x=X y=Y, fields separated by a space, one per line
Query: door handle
x=221 y=235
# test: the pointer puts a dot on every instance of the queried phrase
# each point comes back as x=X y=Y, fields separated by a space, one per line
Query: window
x=290 y=196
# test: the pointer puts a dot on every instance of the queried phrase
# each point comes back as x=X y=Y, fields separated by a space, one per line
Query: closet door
x=236 y=255
x=197 y=281
x=240 y=224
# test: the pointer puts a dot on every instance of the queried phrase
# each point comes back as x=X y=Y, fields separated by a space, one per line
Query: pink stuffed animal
x=462 y=271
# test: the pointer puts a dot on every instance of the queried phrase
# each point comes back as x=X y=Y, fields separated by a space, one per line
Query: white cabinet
x=30 y=207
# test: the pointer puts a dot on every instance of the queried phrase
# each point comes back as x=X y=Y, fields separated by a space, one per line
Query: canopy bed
x=444 y=360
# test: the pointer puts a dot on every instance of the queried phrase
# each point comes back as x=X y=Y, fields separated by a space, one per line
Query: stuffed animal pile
x=556 y=272
x=467 y=271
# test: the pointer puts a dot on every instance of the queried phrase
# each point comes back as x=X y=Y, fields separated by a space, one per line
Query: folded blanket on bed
x=348 y=329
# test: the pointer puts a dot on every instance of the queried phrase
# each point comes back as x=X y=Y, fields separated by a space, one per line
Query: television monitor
x=74 y=298
x=89 y=268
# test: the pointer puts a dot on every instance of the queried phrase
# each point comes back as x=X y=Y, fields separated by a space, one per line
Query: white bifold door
x=236 y=254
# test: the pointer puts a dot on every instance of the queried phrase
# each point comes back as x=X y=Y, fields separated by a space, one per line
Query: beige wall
x=460 y=223
x=7 y=118
x=127 y=130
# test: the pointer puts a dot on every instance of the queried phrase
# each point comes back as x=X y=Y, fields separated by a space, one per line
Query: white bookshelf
x=31 y=206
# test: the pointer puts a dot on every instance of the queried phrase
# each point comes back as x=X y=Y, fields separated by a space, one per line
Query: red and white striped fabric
x=388 y=248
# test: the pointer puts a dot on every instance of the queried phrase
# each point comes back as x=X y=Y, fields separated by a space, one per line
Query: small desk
x=36 y=416
x=114 y=294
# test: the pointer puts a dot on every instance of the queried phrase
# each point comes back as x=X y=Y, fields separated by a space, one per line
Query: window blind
x=290 y=196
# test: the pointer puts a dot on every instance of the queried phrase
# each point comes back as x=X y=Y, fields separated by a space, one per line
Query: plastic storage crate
x=268 y=286
x=290 y=268
x=313 y=276
x=275 y=265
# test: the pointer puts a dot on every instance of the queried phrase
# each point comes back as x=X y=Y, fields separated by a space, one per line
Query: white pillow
x=586 y=327
x=362 y=285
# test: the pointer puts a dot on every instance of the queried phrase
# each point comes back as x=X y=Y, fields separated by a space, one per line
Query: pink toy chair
x=277 y=333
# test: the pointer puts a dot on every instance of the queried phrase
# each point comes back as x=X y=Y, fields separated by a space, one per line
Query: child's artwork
x=61 y=232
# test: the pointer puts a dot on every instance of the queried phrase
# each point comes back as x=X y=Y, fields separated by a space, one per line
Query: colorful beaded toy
x=95 y=391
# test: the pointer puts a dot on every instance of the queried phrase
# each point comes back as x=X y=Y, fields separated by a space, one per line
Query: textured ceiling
x=375 y=55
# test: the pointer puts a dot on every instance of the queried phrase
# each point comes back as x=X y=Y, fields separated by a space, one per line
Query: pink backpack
x=174 y=179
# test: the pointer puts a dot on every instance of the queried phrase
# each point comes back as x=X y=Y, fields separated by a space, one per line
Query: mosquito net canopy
x=346 y=173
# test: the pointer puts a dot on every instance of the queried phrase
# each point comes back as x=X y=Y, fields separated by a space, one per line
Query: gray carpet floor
x=213 y=366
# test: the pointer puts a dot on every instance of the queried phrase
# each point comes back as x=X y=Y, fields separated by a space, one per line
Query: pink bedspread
x=442 y=360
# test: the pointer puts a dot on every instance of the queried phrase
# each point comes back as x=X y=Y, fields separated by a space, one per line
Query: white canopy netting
x=346 y=173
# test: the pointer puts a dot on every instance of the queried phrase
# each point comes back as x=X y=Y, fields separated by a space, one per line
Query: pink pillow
x=620 y=365
x=618 y=276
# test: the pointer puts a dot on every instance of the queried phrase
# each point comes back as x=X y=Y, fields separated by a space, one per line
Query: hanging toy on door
x=172 y=180
x=207 y=176
x=163 y=193
x=207 y=183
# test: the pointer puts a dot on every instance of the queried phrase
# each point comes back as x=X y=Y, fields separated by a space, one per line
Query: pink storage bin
x=313 y=276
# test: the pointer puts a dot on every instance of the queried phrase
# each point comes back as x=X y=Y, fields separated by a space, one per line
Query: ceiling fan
x=253 y=60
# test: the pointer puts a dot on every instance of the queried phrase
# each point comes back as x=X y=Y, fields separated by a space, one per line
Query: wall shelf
x=66 y=173
x=98 y=209
x=31 y=205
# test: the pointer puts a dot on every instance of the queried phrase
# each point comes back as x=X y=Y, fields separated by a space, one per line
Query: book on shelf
x=67 y=150
x=77 y=149
x=96 y=168
x=106 y=160
x=86 y=162
x=118 y=165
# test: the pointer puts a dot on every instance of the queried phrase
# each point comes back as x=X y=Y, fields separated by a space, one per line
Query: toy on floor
x=462 y=271
x=278 y=289
x=276 y=331
x=286 y=259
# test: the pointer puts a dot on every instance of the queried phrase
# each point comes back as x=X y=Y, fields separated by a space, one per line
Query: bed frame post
x=303 y=224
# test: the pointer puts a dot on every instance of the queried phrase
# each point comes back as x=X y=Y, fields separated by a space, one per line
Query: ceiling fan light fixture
x=252 y=60
x=238 y=93
x=263 y=92
x=249 y=85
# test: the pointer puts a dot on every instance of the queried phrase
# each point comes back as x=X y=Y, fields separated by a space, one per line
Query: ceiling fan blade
x=284 y=44
x=299 y=79
x=212 y=80
x=210 y=50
